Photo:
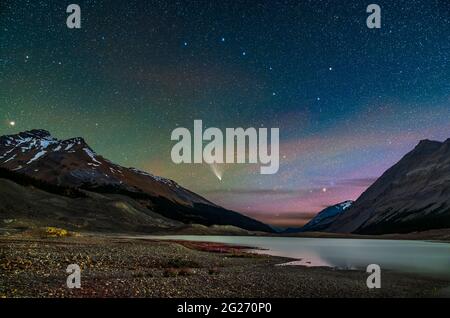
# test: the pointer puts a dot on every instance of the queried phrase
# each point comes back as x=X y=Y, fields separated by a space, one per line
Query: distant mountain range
x=323 y=219
x=103 y=190
x=46 y=181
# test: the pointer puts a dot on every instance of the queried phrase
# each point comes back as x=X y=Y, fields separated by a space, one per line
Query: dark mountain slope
x=72 y=164
x=413 y=195
x=28 y=206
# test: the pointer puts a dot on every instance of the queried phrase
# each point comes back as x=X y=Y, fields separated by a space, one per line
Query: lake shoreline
x=437 y=235
x=115 y=266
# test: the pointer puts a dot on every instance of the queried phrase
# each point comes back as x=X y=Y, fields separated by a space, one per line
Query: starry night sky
x=349 y=101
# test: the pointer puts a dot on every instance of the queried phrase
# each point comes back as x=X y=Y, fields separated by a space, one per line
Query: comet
x=217 y=171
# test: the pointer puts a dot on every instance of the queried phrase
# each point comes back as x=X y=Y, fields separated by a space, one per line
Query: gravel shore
x=120 y=267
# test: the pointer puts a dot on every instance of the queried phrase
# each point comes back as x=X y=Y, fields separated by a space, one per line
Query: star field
x=349 y=101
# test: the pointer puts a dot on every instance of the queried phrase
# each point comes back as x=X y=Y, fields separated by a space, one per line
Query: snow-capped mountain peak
x=325 y=217
x=73 y=164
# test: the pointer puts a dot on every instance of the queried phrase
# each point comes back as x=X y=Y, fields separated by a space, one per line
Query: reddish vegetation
x=213 y=247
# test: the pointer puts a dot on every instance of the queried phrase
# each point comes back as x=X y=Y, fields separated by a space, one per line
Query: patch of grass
x=182 y=263
x=213 y=271
x=186 y=272
x=141 y=274
x=174 y=272
x=170 y=272
x=51 y=231
x=17 y=263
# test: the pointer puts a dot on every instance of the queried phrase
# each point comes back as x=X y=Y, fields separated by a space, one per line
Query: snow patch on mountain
x=12 y=158
x=68 y=147
x=156 y=178
x=6 y=153
x=37 y=156
x=91 y=154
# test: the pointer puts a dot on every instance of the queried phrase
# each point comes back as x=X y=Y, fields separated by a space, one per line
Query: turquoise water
x=419 y=257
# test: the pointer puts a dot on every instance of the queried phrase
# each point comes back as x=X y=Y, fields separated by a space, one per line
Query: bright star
x=12 y=123
x=324 y=190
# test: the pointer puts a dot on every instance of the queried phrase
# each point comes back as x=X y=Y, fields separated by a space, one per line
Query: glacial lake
x=418 y=257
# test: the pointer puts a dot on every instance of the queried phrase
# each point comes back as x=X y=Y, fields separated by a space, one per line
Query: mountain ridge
x=72 y=163
x=412 y=195
x=322 y=219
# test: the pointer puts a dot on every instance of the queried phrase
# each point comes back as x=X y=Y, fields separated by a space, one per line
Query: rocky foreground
x=121 y=267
